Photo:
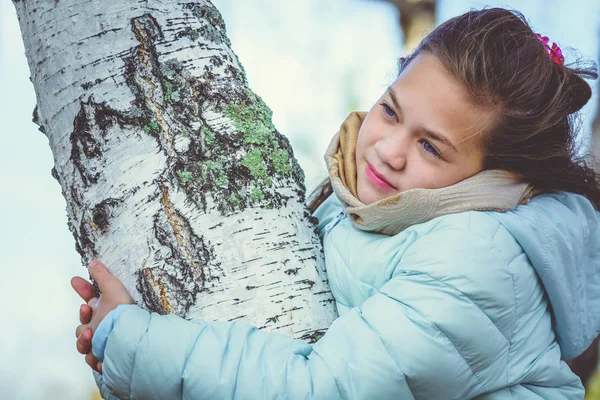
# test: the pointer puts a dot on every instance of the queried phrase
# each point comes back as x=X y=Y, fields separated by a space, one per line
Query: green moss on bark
x=209 y=136
x=168 y=90
x=234 y=199
x=255 y=162
x=281 y=161
x=257 y=194
x=185 y=176
x=222 y=181
x=252 y=119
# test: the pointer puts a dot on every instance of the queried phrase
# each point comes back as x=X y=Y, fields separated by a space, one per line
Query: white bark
x=172 y=171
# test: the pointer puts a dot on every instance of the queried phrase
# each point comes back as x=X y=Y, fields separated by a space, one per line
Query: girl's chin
x=372 y=199
x=368 y=195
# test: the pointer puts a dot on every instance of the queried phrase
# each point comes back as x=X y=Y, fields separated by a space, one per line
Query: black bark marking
x=212 y=24
x=292 y=271
x=102 y=213
x=54 y=174
x=151 y=300
x=303 y=249
x=216 y=226
x=146 y=29
x=270 y=263
x=88 y=138
x=85 y=239
x=242 y=230
x=273 y=283
x=248 y=261
x=36 y=120
x=89 y=84
x=313 y=336
x=307 y=282
x=76 y=197
x=183 y=280
x=99 y=34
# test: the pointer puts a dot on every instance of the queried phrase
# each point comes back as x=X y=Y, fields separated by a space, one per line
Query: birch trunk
x=173 y=173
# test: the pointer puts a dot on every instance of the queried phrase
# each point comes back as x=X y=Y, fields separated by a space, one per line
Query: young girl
x=462 y=244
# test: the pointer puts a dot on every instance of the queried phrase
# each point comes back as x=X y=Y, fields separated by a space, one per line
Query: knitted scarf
x=495 y=190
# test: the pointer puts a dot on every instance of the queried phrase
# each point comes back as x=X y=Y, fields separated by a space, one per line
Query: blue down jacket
x=472 y=305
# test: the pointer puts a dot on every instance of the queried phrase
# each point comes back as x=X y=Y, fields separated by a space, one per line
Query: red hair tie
x=554 y=52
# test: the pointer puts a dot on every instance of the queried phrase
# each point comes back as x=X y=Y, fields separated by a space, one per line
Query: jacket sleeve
x=151 y=356
x=419 y=336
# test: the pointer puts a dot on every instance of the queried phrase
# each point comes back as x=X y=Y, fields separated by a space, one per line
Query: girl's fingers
x=100 y=367
x=84 y=342
x=92 y=361
x=92 y=303
x=80 y=346
x=85 y=314
x=101 y=275
x=78 y=330
x=83 y=288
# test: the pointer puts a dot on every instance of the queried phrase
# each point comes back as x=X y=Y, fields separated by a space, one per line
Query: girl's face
x=422 y=133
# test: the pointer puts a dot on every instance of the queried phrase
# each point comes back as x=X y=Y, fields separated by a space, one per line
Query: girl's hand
x=83 y=332
x=91 y=314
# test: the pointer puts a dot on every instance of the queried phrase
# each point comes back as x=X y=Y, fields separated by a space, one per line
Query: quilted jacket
x=472 y=305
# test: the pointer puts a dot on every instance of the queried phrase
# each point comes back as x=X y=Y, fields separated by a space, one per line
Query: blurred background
x=312 y=61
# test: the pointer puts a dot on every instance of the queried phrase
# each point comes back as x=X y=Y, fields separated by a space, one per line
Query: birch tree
x=172 y=171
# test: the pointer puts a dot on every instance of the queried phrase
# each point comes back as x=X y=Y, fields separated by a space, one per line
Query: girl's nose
x=392 y=152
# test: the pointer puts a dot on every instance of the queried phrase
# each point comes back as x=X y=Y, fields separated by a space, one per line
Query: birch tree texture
x=161 y=92
x=172 y=170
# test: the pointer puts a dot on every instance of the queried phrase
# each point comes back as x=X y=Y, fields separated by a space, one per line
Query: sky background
x=312 y=61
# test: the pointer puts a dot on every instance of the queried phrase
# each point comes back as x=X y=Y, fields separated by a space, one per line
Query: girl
x=462 y=243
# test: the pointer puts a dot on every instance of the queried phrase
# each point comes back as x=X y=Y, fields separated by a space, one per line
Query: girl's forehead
x=430 y=98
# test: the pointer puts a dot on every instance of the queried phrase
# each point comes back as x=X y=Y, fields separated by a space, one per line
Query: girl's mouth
x=377 y=179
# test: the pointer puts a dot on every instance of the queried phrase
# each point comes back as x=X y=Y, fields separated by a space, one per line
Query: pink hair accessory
x=554 y=52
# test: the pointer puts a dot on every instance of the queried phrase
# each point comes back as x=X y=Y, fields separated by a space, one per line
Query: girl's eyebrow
x=432 y=135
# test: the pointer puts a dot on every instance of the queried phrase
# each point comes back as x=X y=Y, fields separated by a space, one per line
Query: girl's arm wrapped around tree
x=426 y=333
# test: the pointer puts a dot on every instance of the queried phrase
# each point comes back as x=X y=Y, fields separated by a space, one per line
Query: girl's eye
x=430 y=149
x=388 y=111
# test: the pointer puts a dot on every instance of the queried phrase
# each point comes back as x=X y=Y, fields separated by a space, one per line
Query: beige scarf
x=495 y=190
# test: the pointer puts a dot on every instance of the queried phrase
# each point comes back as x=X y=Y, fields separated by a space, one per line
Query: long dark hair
x=497 y=57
